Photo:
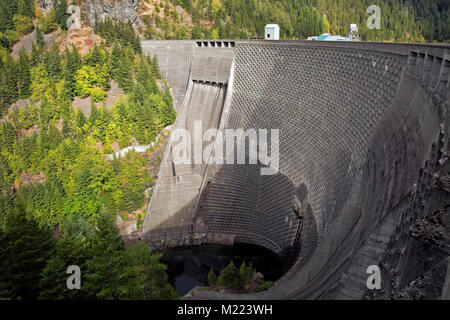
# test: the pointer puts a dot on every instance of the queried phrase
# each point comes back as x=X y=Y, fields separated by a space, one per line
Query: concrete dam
x=363 y=174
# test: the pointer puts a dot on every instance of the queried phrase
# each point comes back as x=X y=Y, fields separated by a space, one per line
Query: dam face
x=363 y=138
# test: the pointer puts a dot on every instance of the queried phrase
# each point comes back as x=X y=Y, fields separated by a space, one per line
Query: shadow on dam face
x=364 y=148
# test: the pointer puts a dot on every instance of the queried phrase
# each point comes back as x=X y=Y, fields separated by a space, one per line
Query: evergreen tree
x=227 y=277
x=122 y=68
x=115 y=60
x=53 y=62
x=24 y=80
x=54 y=136
x=197 y=33
x=155 y=66
x=45 y=110
x=5 y=182
x=7 y=10
x=35 y=55
x=187 y=4
x=246 y=273
x=152 y=276
x=39 y=38
x=61 y=15
x=11 y=80
x=80 y=119
x=94 y=114
x=25 y=253
x=25 y=7
x=135 y=41
x=4 y=99
x=9 y=137
x=71 y=249
x=72 y=64
x=108 y=272
x=212 y=278
x=168 y=112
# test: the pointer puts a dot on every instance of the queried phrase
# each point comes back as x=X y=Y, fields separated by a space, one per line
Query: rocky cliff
x=123 y=10
x=46 y=5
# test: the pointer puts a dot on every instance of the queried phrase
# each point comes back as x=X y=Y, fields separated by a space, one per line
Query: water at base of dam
x=188 y=267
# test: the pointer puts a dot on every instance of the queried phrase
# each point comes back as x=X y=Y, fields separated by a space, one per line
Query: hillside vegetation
x=414 y=21
x=59 y=192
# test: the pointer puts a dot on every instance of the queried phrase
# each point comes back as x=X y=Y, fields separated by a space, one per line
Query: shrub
x=228 y=276
x=11 y=36
x=238 y=279
x=97 y=94
x=212 y=277
x=3 y=52
x=246 y=274
x=139 y=220
x=87 y=79
x=23 y=24
x=48 y=22
x=265 y=285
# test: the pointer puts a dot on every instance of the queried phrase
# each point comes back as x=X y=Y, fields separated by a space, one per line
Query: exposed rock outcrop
x=46 y=5
x=428 y=286
x=123 y=10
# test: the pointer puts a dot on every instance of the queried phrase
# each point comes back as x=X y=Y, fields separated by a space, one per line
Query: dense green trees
x=229 y=277
x=61 y=15
x=25 y=7
x=54 y=173
x=89 y=78
x=24 y=79
x=114 y=272
x=8 y=84
x=39 y=37
x=6 y=15
x=435 y=17
x=121 y=67
x=26 y=247
x=117 y=31
x=153 y=279
x=108 y=272
x=72 y=248
x=401 y=20
x=15 y=20
x=212 y=277
x=34 y=265
x=108 y=269
x=52 y=62
x=72 y=63
x=23 y=24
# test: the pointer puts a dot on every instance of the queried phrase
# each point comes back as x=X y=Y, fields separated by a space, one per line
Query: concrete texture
x=364 y=128
x=178 y=187
x=175 y=59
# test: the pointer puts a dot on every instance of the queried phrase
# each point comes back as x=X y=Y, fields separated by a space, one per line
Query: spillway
x=363 y=136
